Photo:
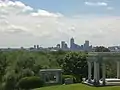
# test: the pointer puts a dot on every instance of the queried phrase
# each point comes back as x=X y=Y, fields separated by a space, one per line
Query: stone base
x=107 y=82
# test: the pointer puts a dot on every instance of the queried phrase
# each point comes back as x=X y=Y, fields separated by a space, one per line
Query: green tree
x=101 y=49
x=36 y=69
x=25 y=62
x=3 y=65
x=9 y=81
x=74 y=63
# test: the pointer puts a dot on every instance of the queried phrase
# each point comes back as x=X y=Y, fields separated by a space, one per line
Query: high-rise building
x=72 y=43
x=86 y=45
x=62 y=44
x=37 y=46
x=34 y=46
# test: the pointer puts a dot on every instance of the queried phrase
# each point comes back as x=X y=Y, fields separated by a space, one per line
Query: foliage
x=67 y=76
x=9 y=81
x=111 y=69
x=101 y=49
x=3 y=65
x=74 y=63
x=22 y=63
x=15 y=65
x=30 y=83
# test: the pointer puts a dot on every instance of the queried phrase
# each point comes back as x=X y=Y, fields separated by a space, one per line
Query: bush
x=30 y=83
x=68 y=76
x=77 y=79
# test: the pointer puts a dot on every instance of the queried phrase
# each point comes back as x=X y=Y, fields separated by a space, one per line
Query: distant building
x=34 y=46
x=86 y=45
x=64 y=45
x=58 y=46
x=114 y=48
x=37 y=46
x=72 y=44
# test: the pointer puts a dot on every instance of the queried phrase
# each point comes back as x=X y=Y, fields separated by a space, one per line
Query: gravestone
x=68 y=81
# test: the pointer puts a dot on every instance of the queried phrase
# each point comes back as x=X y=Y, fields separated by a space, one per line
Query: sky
x=47 y=22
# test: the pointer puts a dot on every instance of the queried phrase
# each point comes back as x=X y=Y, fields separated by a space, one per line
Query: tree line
x=16 y=66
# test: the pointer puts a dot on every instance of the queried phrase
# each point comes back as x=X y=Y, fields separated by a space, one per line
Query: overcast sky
x=47 y=22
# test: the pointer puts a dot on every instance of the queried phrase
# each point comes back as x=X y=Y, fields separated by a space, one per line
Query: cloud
x=21 y=25
x=46 y=13
x=96 y=4
x=16 y=4
x=110 y=8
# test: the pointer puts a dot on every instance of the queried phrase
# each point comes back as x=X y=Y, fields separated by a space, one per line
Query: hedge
x=30 y=83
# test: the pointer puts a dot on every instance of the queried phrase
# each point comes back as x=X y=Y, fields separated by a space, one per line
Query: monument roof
x=99 y=56
x=50 y=70
x=104 y=54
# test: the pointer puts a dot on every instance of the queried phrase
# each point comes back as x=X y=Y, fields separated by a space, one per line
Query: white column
x=96 y=72
x=103 y=73
x=89 y=71
x=118 y=69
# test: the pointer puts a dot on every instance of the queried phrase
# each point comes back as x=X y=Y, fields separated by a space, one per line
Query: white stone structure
x=100 y=58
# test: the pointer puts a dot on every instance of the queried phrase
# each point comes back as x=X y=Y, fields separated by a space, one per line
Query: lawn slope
x=78 y=87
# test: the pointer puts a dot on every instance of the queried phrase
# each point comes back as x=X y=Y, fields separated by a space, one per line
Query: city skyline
x=28 y=22
x=73 y=46
x=59 y=43
x=63 y=45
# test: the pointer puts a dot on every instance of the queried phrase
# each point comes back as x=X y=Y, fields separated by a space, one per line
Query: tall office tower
x=86 y=45
x=34 y=46
x=37 y=46
x=72 y=43
x=62 y=44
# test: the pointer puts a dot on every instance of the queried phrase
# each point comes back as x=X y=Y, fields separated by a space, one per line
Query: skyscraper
x=63 y=44
x=72 y=43
x=86 y=45
x=37 y=46
x=34 y=46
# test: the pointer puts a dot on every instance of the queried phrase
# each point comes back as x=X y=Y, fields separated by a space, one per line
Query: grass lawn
x=79 y=87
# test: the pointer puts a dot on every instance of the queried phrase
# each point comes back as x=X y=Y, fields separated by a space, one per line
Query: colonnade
x=96 y=76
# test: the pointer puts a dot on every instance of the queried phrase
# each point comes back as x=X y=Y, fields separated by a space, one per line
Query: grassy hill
x=78 y=87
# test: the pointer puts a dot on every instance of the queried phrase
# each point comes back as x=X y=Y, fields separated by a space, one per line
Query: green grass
x=78 y=87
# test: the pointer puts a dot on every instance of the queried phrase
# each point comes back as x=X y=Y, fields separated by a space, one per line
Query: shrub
x=77 y=79
x=30 y=83
x=68 y=76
